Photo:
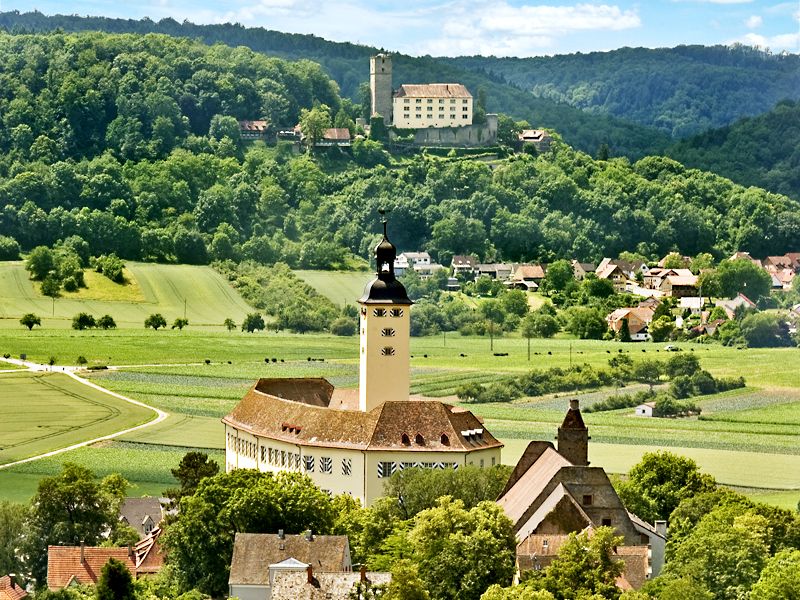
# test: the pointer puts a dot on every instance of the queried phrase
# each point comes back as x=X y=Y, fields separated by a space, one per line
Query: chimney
x=130 y=550
x=661 y=527
x=309 y=536
x=13 y=579
x=83 y=556
x=310 y=572
x=281 y=535
x=363 y=573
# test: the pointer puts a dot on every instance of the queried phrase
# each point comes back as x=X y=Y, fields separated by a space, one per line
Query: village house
x=645 y=410
x=419 y=261
x=10 y=589
x=685 y=260
x=655 y=277
x=499 y=271
x=538 y=137
x=730 y=305
x=335 y=137
x=350 y=441
x=554 y=492
x=143 y=514
x=638 y=319
x=693 y=303
x=580 y=270
x=616 y=275
x=254 y=130
x=324 y=586
x=630 y=269
x=746 y=255
x=528 y=277
x=74 y=565
x=679 y=286
x=463 y=264
x=259 y=557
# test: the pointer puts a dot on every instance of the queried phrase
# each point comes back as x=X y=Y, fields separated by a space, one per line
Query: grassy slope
x=209 y=298
x=47 y=411
x=341 y=288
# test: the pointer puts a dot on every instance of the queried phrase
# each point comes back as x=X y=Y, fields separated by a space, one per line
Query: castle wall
x=380 y=83
x=468 y=135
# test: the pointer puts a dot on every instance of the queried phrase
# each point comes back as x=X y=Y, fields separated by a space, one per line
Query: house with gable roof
x=10 y=589
x=638 y=319
x=349 y=441
x=258 y=558
x=143 y=514
x=554 y=492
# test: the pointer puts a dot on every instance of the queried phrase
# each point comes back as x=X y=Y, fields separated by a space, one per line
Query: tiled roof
x=135 y=511
x=9 y=592
x=341 y=133
x=325 y=586
x=253 y=553
x=272 y=404
x=432 y=90
x=529 y=272
x=64 y=564
x=148 y=554
x=516 y=501
x=460 y=259
x=682 y=279
x=253 y=125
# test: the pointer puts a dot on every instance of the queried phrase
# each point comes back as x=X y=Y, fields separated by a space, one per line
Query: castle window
x=465 y=116
x=441 y=108
x=395 y=312
x=445 y=440
x=379 y=312
x=405 y=440
x=347 y=466
x=430 y=108
x=465 y=101
x=452 y=116
x=587 y=499
x=388 y=351
x=544 y=543
x=283 y=458
x=419 y=440
x=325 y=465
x=406 y=101
x=428 y=465
x=309 y=463
x=465 y=109
x=441 y=101
x=419 y=101
x=388 y=332
x=452 y=101
x=419 y=116
x=430 y=100
x=385 y=469
x=441 y=116
x=406 y=108
x=419 y=108
x=606 y=522
x=263 y=454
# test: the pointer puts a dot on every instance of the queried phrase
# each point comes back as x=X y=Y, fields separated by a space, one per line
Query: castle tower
x=385 y=334
x=573 y=437
x=380 y=84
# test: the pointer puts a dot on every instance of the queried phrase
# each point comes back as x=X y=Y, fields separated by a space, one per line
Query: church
x=349 y=441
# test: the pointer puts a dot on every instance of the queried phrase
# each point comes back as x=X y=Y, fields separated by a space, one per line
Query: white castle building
x=349 y=441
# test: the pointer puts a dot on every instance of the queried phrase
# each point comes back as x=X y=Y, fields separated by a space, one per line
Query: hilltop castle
x=440 y=112
x=348 y=441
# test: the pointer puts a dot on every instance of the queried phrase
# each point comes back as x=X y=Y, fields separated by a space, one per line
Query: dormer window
x=419 y=440
x=445 y=440
x=405 y=440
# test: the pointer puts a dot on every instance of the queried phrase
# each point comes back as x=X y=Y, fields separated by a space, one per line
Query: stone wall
x=468 y=135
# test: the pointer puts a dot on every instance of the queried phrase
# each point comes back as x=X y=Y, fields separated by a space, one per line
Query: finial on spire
x=383 y=212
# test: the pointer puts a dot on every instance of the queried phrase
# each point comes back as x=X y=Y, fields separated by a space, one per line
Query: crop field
x=209 y=299
x=47 y=411
x=339 y=287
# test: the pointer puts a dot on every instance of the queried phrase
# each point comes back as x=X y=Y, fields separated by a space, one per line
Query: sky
x=488 y=27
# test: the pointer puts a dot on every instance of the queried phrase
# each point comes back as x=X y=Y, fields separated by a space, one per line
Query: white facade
x=433 y=105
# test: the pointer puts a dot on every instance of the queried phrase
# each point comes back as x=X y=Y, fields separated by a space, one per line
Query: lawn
x=339 y=287
x=47 y=411
x=200 y=293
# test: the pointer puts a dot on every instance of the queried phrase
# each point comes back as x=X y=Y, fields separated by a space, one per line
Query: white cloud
x=754 y=22
x=785 y=41
x=717 y=1
x=495 y=27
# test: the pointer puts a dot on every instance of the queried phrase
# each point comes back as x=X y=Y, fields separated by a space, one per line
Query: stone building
x=349 y=441
x=554 y=492
x=432 y=105
x=380 y=85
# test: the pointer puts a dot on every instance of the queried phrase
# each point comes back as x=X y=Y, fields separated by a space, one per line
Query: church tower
x=380 y=84
x=573 y=437
x=385 y=334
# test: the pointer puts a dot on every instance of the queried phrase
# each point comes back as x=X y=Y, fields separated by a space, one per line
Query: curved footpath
x=73 y=372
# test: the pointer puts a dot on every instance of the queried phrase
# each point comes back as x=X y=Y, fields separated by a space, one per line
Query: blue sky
x=465 y=27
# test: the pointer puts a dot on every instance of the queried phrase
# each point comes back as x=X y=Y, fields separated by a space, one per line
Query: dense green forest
x=680 y=91
x=762 y=151
x=348 y=65
x=129 y=142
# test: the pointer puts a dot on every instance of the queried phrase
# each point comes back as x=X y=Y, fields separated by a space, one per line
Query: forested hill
x=681 y=91
x=762 y=151
x=348 y=65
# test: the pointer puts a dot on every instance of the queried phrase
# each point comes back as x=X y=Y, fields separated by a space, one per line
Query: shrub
x=70 y=284
x=703 y=383
x=180 y=323
x=106 y=322
x=155 y=321
x=9 y=248
x=81 y=360
x=29 y=320
x=681 y=387
x=344 y=326
x=253 y=322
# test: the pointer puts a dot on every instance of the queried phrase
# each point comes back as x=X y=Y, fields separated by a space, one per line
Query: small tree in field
x=229 y=324
x=29 y=320
x=83 y=321
x=180 y=323
x=155 y=321
x=253 y=322
x=106 y=322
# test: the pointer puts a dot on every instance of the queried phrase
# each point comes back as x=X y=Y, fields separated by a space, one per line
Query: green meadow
x=200 y=293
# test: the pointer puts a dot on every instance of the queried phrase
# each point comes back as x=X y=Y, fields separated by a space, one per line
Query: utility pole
x=184 y=308
x=570 y=355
